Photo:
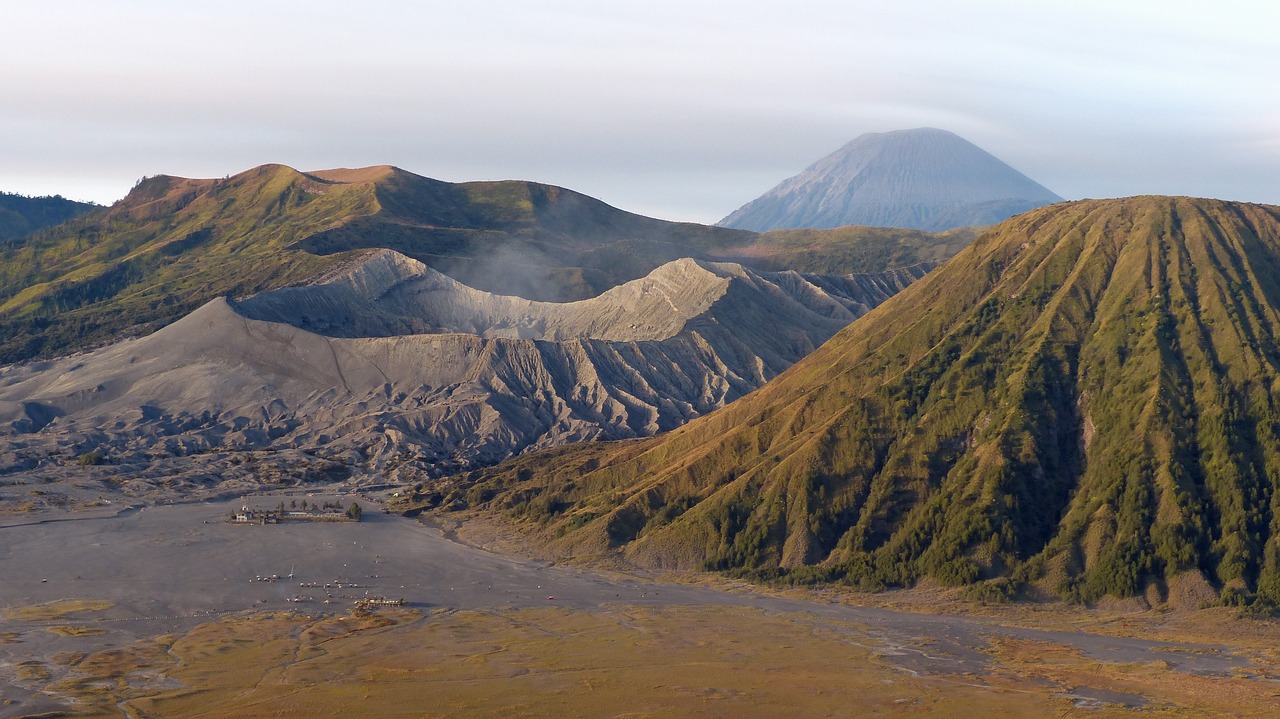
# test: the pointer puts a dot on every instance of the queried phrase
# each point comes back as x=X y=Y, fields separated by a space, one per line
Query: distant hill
x=515 y=237
x=1081 y=403
x=171 y=245
x=174 y=244
x=850 y=249
x=924 y=179
x=387 y=367
x=21 y=215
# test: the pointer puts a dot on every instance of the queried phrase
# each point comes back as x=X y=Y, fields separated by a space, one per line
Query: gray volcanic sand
x=169 y=568
x=390 y=369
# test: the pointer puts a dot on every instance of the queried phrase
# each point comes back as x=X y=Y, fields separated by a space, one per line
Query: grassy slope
x=1083 y=399
x=175 y=243
x=850 y=249
x=515 y=237
x=172 y=245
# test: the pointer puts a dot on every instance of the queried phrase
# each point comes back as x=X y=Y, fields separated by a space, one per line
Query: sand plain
x=78 y=588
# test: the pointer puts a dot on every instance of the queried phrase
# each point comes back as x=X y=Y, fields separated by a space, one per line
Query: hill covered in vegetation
x=852 y=249
x=21 y=215
x=174 y=244
x=1081 y=403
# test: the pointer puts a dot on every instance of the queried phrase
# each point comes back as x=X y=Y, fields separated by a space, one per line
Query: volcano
x=1081 y=403
x=924 y=179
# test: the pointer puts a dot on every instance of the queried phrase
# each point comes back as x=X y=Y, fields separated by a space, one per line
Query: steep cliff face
x=1084 y=400
x=925 y=179
x=390 y=365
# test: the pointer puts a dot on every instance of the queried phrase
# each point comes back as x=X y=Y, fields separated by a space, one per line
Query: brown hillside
x=1084 y=400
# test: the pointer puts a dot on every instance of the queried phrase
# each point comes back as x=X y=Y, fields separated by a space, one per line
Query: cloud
x=683 y=110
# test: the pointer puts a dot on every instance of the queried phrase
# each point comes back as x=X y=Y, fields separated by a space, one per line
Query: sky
x=682 y=110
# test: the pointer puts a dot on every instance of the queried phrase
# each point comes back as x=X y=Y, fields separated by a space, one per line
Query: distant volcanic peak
x=925 y=179
x=926 y=154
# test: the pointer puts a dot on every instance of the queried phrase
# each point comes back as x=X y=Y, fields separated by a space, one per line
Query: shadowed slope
x=1085 y=399
x=174 y=244
x=519 y=238
x=20 y=215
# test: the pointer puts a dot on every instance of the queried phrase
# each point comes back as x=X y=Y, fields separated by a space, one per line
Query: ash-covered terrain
x=389 y=371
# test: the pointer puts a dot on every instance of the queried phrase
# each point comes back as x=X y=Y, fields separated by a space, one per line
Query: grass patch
x=33 y=671
x=642 y=662
x=58 y=609
x=97 y=681
x=66 y=630
x=638 y=661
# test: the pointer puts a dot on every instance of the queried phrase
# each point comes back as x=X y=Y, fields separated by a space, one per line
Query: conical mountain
x=1083 y=401
x=925 y=179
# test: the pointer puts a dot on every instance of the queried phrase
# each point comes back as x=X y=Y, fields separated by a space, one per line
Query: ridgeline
x=20 y=215
x=174 y=244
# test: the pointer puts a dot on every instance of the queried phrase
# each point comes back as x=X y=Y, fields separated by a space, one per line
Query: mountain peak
x=1081 y=401
x=346 y=175
x=923 y=178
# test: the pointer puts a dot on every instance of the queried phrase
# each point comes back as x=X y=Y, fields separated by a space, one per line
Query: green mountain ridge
x=841 y=250
x=169 y=246
x=1081 y=403
x=21 y=215
x=174 y=243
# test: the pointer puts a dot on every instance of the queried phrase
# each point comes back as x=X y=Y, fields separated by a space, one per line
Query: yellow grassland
x=620 y=661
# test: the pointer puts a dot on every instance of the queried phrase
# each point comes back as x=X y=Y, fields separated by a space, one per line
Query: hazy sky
x=683 y=110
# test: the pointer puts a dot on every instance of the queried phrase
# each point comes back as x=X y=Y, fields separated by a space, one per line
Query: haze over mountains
x=1078 y=403
x=926 y=179
x=1081 y=402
